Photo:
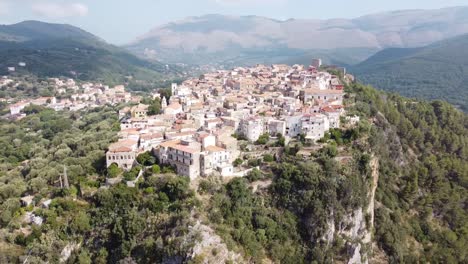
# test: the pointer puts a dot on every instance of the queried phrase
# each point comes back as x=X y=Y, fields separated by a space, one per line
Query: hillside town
x=198 y=127
x=69 y=96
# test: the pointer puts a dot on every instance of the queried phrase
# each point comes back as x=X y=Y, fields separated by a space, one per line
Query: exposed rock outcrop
x=209 y=247
x=356 y=228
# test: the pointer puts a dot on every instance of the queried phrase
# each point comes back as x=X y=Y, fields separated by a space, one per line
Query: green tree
x=80 y=223
x=268 y=158
x=156 y=169
x=113 y=170
x=146 y=159
x=237 y=162
x=84 y=257
x=281 y=142
x=263 y=139
x=154 y=107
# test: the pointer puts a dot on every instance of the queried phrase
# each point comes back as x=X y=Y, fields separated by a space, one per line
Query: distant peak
x=34 y=29
x=37 y=22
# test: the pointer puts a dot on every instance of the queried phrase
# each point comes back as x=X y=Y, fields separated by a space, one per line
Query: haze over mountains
x=64 y=50
x=251 y=39
x=35 y=30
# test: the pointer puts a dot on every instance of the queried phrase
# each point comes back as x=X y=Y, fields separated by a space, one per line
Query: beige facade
x=123 y=153
x=124 y=158
x=139 y=111
x=184 y=155
x=215 y=159
x=323 y=95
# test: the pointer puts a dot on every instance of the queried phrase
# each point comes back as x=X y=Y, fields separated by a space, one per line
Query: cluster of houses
x=73 y=97
x=194 y=130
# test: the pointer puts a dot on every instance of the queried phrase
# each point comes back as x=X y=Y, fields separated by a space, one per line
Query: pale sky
x=120 y=21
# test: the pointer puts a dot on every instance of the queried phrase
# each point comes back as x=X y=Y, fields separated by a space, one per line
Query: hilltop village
x=68 y=95
x=198 y=128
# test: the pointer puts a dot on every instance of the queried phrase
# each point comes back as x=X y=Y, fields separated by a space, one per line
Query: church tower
x=163 y=102
x=174 y=88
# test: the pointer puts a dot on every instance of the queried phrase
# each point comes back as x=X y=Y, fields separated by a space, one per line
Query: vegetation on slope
x=421 y=196
x=420 y=212
x=106 y=225
x=434 y=72
x=63 y=50
x=79 y=60
x=36 y=30
x=423 y=155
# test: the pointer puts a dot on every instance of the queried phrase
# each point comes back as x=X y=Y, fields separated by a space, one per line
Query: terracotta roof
x=202 y=134
x=318 y=91
x=19 y=104
x=214 y=120
x=185 y=148
x=122 y=145
x=214 y=149
x=125 y=109
x=174 y=106
x=188 y=133
x=140 y=107
x=120 y=149
x=332 y=108
x=169 y=143
x=151 y=136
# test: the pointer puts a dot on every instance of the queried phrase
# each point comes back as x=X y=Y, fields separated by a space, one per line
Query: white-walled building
x=216 y=159
x=293 y=125
x=252 y=128
x=314 y=126
x=185 y=156
x=334 y=114
x=277 y=126
x=322 y=95
x=150 y=141
x=18 y=107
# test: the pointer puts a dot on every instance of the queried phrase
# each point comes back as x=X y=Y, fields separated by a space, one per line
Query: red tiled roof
x=120 y=149
x=214 y=149
x=184 y=148
x=318 y=91
x=151 y=136
x=123 y=145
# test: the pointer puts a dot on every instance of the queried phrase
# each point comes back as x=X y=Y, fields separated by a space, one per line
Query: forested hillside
x=303 y=206
x=421 y=197
x=63 y=50
x=434 y=72
x=417 y=151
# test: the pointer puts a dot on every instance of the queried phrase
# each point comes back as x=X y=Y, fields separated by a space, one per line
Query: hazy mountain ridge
x=437 y=71
x=64 y=50
x=199 y=37
x=36 y=30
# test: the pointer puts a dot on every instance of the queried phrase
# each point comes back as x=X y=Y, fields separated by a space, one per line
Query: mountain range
x=228 y=40
x=64 y=50
x=386 y=50
x=436 y=71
